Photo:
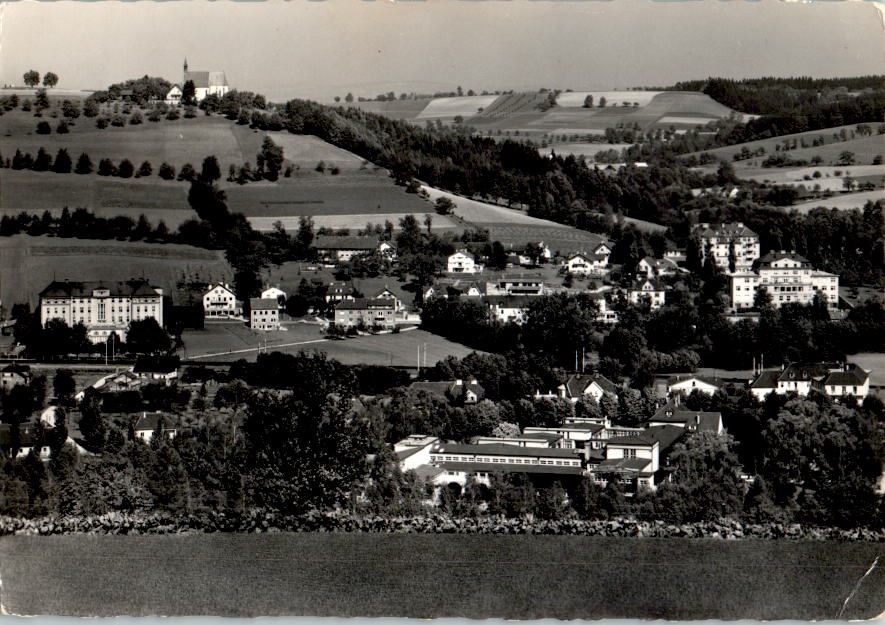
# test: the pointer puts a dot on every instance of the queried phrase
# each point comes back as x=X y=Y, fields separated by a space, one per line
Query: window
x=629 y=453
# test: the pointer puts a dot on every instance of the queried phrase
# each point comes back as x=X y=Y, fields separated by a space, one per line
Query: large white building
x=723 y=240
x=205 y=83
x=832 y=379
x=788 y=278
x=220 y=301
x=103 y=307
x=462 y=261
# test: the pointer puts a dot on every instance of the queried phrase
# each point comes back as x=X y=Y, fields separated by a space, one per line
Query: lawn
x=582 y=149
x=28 y=264
x=420 y=576
x=399 y=349
x=847 y=201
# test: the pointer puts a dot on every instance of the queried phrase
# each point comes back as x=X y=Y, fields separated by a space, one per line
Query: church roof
x=205 y=80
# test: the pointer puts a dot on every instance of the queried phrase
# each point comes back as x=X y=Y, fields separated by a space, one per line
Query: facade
x=832 y=379
x=657 y=267
x=220 y=301
x=339 y=291
x=274 y=293
x=105 y=308
x=14 y=374
x=342 y=249
x=516 y=284
x=789 y=279
x=462 y=261
x=479 y=461
x=414 y=451
x=390 y=295
x=729 y=240
x=637 y=460
x=507 y=309
x=581 y=385
x=584 y=264
x=651 y=290
x=174 y=95
x=367 y=312
x=264 y=314
x=686 y=384
x=205 y=83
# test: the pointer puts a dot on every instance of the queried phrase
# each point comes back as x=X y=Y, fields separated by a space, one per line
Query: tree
x=145 y=169
x=270 y=159
x=43 y=128
x=762 y=298
x=92 y=425
x=444 y=206
x=145 y=336
x=41 y=100
x=845 y=158
x=187 y=173
x=63 y=385
x=62 y=163
x=84 y=164
x=211 y=170
x=135 y=119
x=70 y=110
x=167 y=171
x=32 y=78
x=63 y=127
x=43 y=161
x=106 y=167
x=188 y=93
x=348 y=98
x=588 y=102
x=50 y=79
x=602 y=102
x=126 y=168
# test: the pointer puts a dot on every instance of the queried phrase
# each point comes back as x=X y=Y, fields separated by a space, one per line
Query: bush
x=136 y=118
x=62 y=128
x=101 y=123
x=167 y=171
x=145 y=169
x=126 y=168
x=84 y=165
x=43 y=128
x=106 y=168
x=173 y=114
x=62 y=163
x=118 y=120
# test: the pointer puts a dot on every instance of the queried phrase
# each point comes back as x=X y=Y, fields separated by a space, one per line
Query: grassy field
x=28 y=264
x=582 y=149
x=847 y=201
x=447 y=109
x=421 y=576
x=401 y=350
x=575 y=99
x=872 y=362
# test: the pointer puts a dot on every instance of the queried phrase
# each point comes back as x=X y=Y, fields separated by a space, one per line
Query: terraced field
x=447 y=109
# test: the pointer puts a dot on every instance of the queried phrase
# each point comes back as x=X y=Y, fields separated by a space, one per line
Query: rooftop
x=510 y=468
x=493 y=449
x=257 y=303
x=333 y=242
x=68 y=288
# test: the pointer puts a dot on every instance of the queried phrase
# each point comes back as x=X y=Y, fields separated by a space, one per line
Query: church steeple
x=185 y=65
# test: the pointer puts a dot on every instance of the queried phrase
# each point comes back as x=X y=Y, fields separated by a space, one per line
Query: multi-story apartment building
x=368 y=312
x=788 y=278
x=103 y=307
x=727 y=240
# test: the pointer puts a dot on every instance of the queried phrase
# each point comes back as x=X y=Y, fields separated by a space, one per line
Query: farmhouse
x=508 y=309
x=151 y=423
x=264 y=314
x=788 y=278
x=219 y=301
x=13 y=374
x=580 y=385
x=649 y=290
x=105 y=308
x=832 y=379
x=205 y=83
x=729 y=243
x=365 y=312
x=581 y=263
x=687 y=383
x=343 y=249
x=515 y=284
x=274 y=293
x=462 y=261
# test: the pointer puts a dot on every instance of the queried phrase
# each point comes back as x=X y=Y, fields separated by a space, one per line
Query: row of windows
x=566 y=463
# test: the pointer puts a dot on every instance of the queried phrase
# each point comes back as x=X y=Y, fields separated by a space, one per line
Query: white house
x=274 y=293
x=105 y=308
x=606 y=314
x=264 y=314
x=462 y=261
x=835 y=380
x=581 y=263
x=789 y=279
x=220 y=301
x=507 y=309
x=580 y=385
x=515 y=284
x=657 y=267
x=687 y=383
x=651 y=290
x=173 y=96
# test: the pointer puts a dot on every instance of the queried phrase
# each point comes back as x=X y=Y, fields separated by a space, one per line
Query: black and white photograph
x=484 y=309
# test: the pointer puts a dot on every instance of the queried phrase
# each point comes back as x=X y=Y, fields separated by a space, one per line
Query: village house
x=691 y=420
x=580 y=385
x=13 y=374
x=454 y=288
x=220 y=301
x=105 y=308
x=832 y=379
x=121 y=382
x=264 y=314
x=454 y=391
x=649 y=290
x=150 y=423
x=26 y=443
x=515 y=284
x=342 y=249
x=605 y=313
x=366 y=312
x=462 y=261
x=534 y=254
x=339 y=291
x=657 y=267
x=156 y=368
x=393 y=295
x=173 y=96
x=274 y=293
x=789 y=279
x=729 y=242
x=687 y=383
x=584 y=264
x=509 y=309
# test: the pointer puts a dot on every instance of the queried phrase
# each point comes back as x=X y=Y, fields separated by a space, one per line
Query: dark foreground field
x=437 y=575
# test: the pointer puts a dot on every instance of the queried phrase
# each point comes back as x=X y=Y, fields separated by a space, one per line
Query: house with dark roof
x=788 y=278
x=691 y=420
x=264 y=314
x=509 y=308
x=413 y=451
x=13 y=374
x=205 y=83
x=576 y=386
x=638 y=461
x=526 y=439
x=588 y=264
x=454 y=391
x=367 y=312
x=728 y=243
x=832 y=379
x=150 y=423
x=686 y=383
x=344 y=248
x=103 y=307
x=515 y=283
x=645 y=289
x=157 y=368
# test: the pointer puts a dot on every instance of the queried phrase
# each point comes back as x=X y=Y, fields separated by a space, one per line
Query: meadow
x=847 y=201
x=28 y=264
x=421 y=576
x=230 y=341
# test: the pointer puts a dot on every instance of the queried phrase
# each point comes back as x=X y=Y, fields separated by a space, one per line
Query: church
x=205 y=83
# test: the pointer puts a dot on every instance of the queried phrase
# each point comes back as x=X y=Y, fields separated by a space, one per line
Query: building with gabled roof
x=103 y=307
x=264 y=314
x=580 y=385
x=151 y=422
x=462 y=261
x=509 y=308
x=13 y=374
x=219 y=300
x=648 y=289
x=515 y=283
x=789 y=279
x=686 y=383
x=455 y=391
x=206 y=83
x=691 y=420
x=832 y=379
x=727 y=242
x=364 y=311
x=344 y=248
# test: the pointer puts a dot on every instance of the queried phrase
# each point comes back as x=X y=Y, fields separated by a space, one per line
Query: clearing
x=373 y=575
x=846 y=201
x=28 y=264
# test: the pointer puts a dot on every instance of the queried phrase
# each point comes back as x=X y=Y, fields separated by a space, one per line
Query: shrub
x=101 y=123
x=62 y=127
x=126 y=168
x=173 y=114
x=167 y=171
x=118 y=120
x=145 y=169
x=43 y=128
x=106 y=168
x=62 y=163
x=84 y=164
x=136 y=118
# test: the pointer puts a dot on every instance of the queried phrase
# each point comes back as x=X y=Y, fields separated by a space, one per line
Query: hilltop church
x=205 y=83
